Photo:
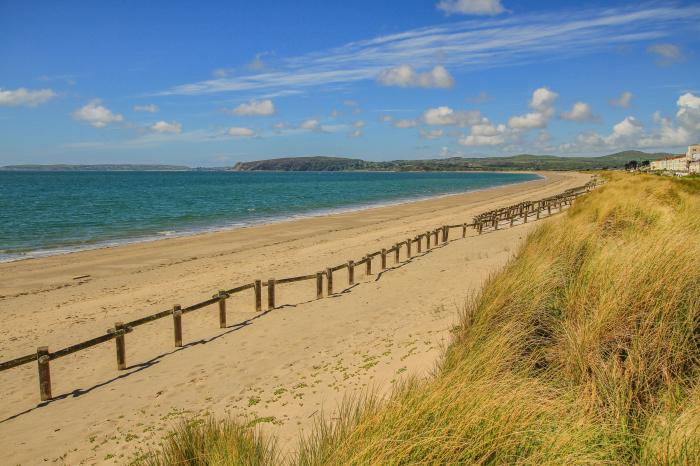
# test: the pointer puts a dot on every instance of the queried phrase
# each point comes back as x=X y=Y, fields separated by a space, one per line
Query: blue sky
x=213 y=83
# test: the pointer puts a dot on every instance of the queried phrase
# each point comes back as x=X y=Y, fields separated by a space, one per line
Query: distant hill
x=516 y=162
x=104 y=167
x=306 y=164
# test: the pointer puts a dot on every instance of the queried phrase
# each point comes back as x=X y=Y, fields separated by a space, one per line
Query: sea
x=52 y=212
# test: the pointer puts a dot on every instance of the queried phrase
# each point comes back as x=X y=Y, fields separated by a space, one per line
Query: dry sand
x=279 y=368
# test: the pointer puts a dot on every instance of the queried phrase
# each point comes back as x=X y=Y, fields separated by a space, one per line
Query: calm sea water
x=52 y=212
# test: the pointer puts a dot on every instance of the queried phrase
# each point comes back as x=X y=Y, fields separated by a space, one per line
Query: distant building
x=671 y=164
x=681 y=164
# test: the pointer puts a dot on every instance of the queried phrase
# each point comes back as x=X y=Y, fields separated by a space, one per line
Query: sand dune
x=280 y=368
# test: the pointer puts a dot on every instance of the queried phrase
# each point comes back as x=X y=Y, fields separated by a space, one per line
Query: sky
x=214 y=83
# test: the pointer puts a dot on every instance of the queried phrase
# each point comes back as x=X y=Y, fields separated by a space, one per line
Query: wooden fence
x=482 y=222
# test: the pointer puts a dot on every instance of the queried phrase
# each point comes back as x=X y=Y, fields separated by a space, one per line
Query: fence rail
x=482 y=222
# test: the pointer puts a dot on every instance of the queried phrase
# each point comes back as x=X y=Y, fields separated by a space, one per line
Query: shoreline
x=188 y=233
x=280 y=367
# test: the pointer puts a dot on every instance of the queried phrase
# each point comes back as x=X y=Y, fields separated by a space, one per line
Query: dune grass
x=583 y=350
x=200 y=442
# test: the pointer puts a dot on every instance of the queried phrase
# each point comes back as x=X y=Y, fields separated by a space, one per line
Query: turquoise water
x=52 y=212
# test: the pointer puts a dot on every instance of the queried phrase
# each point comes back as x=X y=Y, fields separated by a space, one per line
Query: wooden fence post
x=549 y=208
x=119 y=331
x=329 y=281
x=419 y=243
x=258 y=295
x=43 y=358
x=368 y=265
x=319 y=285
x=539 y=209
x=177 y=325
x=445 y=233
x=222 y=309
x=397 y=253
x=383 y=258
x=427 y=242
x=527 y=211
x=270 y=294
x=408 y=248
x=480 y=227
x=464 y=230
x=351 y=272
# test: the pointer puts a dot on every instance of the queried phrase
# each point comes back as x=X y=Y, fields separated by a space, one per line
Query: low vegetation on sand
x=583 y=350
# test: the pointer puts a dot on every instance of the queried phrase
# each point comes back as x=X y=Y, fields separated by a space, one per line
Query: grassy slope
x=583 y=350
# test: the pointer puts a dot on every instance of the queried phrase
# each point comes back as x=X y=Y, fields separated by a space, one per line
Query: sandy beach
x=281 y=368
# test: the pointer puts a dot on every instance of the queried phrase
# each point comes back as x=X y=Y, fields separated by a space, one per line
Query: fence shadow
x=136 y=368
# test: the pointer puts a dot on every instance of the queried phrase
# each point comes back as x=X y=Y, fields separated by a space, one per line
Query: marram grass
x=583 y=350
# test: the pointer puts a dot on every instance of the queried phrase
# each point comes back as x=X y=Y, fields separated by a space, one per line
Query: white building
x=682 y=164
x=671 y=164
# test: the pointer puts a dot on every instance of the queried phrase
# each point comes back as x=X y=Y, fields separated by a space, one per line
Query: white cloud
x=624 y=101
x=625 y=130
x=581 y=111
x=432 y=134
x=667 y=134
x=446 y=116
x=356 y=134
x=666 y=54
x=467 y=45
x=220 y=72
x=686 y=130
x=626 y=133
x=689 y=111
x=471 y=7
x=406 y=76
x=387 y=118
x=542 y=102
x=311 y=124
x=23 y=96
x=150 y=108
x=240 y=132
x=359 y=124
x=528 y=121
x=255 y=108
x=404 y=123
x=97 y=115
x=485 y=134
x=167 y=127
